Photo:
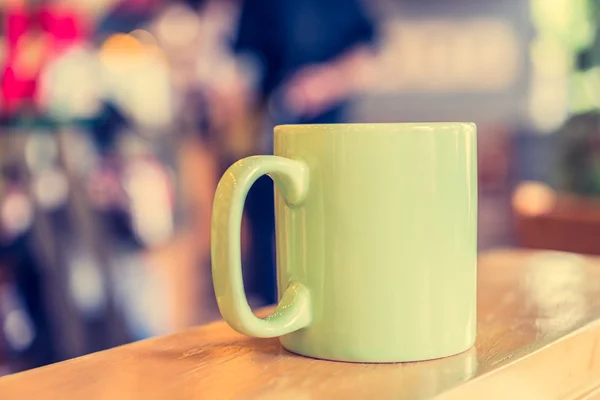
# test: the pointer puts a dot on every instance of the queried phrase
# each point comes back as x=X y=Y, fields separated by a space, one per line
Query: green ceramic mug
x=376 y=237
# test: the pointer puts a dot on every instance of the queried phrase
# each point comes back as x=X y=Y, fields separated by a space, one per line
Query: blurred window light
x=139 y=80
x=564 y=27
x=550 y=58
x=555 y=14
x=141 y=292
x=533 y=198
x=147 y=96
x=442 y=55
x=51 y=189
x=178 y=26
x=120 y=45
x=149 y=192
x=16 y=213
x=86 y=285
x=548 y=104
x=70 y=86
x=568 y=20
x=71 y=89
x=122 y=52
x=18 y=328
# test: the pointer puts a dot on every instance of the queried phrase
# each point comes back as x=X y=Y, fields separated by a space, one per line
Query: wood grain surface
x=538 y=338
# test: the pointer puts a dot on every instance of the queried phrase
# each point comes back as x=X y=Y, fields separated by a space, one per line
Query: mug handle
x=293 y=311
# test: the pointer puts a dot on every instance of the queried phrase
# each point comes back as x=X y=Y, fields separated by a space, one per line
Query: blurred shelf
x=571 y=224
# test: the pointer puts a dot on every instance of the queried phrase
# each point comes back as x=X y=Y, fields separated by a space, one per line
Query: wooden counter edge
x=538 y=375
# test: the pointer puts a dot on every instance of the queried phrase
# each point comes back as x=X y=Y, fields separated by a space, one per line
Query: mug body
x=385 y=241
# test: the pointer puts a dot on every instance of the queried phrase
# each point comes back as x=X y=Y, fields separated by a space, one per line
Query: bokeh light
x=533 y=198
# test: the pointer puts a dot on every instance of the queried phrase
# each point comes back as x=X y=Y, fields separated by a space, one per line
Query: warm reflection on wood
x=538 y=338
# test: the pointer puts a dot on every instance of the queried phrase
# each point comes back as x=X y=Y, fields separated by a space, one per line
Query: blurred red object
x=33 y=37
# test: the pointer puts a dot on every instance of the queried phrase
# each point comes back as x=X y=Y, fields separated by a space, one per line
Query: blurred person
x=195 y=36
x=306 y=59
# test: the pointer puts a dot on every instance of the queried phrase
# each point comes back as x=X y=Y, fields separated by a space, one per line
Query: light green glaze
x=376 y=240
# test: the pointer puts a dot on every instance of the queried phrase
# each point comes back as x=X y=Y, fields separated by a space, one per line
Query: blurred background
x=117 y=118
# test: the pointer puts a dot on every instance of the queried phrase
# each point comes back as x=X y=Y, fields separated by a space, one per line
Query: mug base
x=373 y=359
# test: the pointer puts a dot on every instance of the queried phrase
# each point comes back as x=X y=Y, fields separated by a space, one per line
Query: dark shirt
x=285 y=35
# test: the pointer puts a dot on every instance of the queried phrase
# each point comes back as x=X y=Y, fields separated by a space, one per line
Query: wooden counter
x=538 y=338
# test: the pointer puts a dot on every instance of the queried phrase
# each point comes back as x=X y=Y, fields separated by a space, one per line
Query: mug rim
x=286 y=128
